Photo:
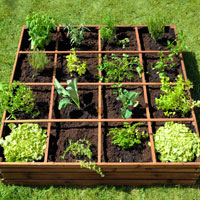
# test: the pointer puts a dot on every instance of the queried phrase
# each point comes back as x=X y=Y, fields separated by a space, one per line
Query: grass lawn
x=183 y=13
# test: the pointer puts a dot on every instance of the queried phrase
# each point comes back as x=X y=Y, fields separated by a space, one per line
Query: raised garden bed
x=99 y=111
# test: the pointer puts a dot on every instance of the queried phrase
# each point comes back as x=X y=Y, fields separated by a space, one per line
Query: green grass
x=183 y=13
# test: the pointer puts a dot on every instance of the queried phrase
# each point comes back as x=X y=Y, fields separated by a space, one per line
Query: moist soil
x=121 y=33
x=148 y=43
x=42 y=100
x=152 y=75
x=62 y=132
x=114 y=153
x=155 y=92
x=26 y=43
x=25 y=73
x=112 y=107
x=88 y=96
x=90 y=76
x=90 y=42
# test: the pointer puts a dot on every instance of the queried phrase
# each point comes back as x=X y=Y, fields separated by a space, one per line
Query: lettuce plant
x=26 y=143
x=70 y=94
x=176 y=143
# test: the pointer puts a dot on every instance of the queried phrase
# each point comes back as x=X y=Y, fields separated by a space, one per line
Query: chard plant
x=26 y=143
x=70 y=94
x=174 y=98
x=123 y=42
x=75 y=65
x=127 y=136
x=117 y=69
x=176 y=143
x=82 y=148
x=39 y=29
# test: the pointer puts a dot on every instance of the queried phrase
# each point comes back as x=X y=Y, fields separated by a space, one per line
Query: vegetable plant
x=75 y=65
x=38 y=61
x=82 y=148
x=117 y=69
x=26 y=143
x=39 y=29
x=70 y=94
x=16 y=98
x=127 y=136
x=175 y=98
x=176 y=143
x=76 y=34
x=156 y=26
x=123 y=42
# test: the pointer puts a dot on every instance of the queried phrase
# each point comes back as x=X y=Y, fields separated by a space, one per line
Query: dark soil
x=42 y=100
x=26 y=43
x=90 y=42
x=148 y=43
x=112 y=107
x=91 y=74
x=88 y=96
x=114 y=153
x=62 y=132
x=155 y=92
x=121 y=33
x=152 y=75
x=25 y=73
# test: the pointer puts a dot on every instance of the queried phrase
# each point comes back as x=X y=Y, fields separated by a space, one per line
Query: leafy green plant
x=128 y=99
x=75 y=65
x=117 y=69
x=127 y=136
x=123 y=42
x=38 y=61
x=26 y=143
x=76 y=34
x=82 y=148
x=39 y=29
x=176 y=143
x=156 y=26
x=108 y=32
x=16 y=98
x=70 y=94
x=175 y=98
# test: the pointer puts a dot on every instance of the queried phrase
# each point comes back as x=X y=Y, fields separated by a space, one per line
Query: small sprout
x=123 y=42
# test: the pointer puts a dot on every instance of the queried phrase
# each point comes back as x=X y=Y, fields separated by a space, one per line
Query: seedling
x=123 y=42
x=70 y=94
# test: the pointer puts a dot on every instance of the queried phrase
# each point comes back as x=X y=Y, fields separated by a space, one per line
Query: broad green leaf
x=61 y=89
x=63 y=103
x=126 y=113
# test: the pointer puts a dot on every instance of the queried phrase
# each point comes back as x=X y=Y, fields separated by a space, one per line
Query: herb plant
x=26 y=143
x=39 y=29
x=117 y=69
x=175 y=98
x=70 y=94
x=176 y=143
x=128 y=99
x=82 y=148
x=75 y=65
x=127 y=136
x=16 y=98
x=38 y=61
x=76 y=34
x=123 y=42
x=156 y=26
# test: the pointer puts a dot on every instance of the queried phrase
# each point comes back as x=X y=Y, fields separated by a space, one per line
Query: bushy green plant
x=26 y=143
x=176 y=143
x=175 y=98
x=127 y=136
x=38 y=61
x=16 y=98
x=70 y=94
x=39 y=29
x=108 y=32
x=75 y=65
x=128 y=99
x=76 y=34
x=156 y=26
x=117 y=69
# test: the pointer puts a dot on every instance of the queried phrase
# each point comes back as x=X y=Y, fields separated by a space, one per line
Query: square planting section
x=99 y=112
